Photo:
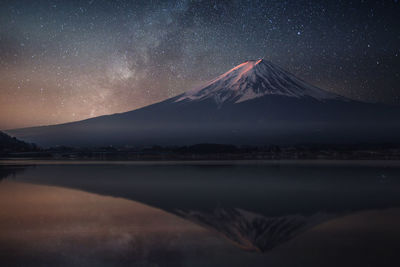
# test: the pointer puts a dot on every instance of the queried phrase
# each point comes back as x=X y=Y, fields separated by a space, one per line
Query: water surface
x=252 y=210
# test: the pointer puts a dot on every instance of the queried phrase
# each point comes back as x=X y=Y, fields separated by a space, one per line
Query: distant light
x=298 y=33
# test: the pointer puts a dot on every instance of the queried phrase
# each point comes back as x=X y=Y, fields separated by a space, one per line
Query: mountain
x=256 y=102
x=253 y=79
x=12 y=144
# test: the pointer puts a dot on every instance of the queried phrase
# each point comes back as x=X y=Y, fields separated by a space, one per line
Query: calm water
x=199 y=213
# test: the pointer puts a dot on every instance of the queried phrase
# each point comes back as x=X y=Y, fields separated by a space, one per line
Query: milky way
x=68 y=60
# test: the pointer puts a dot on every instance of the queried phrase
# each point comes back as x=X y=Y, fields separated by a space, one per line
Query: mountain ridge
x=254 y=103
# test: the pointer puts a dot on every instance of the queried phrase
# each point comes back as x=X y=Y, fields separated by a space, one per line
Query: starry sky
x=68 y=60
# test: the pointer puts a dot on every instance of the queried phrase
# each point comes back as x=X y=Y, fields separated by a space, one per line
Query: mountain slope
x=253 y=103
x=11 y=144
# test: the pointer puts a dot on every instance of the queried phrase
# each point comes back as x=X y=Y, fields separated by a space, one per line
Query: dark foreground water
x=199 y=213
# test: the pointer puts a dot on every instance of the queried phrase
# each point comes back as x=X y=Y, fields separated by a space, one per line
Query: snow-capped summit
x=253 y=79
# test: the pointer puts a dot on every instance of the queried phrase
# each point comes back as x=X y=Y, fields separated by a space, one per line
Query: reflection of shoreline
x=201 y=161
x=219 y=152
x=7 y=171
x=271 y=190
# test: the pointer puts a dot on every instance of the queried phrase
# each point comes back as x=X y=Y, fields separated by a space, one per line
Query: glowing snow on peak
x=253 y=79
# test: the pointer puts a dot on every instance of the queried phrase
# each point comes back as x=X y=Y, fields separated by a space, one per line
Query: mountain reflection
x=252 y=231
x=52 y=226
x=257 y=206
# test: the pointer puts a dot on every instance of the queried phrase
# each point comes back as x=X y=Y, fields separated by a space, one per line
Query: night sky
x=69 y=60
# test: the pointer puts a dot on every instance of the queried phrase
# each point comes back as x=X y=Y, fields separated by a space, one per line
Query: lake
x=205 y=213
